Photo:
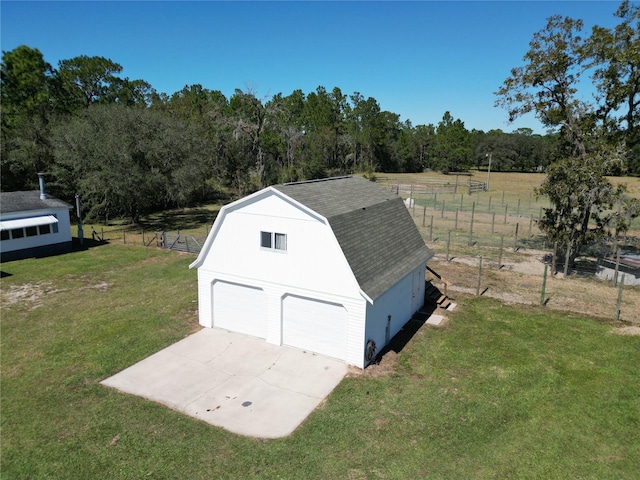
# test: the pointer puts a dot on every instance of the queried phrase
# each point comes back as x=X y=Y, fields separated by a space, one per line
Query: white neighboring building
x=33 y=224
x=334 y=266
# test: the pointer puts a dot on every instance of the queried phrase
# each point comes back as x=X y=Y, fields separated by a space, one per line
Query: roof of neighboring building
x=374 y=229
x=11 y=202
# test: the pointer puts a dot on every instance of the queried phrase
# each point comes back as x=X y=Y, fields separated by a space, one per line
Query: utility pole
x=489 y=170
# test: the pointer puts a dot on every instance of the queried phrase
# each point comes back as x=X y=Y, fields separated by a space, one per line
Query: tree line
x=128 y=149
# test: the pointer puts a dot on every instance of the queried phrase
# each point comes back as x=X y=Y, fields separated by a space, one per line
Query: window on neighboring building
x=276 y=241
x=31 y=231
x=17 y=233
x=4 y=235
x=45 y=229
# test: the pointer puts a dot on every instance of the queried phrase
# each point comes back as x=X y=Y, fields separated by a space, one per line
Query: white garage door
x=240 y=308
x=315 y=326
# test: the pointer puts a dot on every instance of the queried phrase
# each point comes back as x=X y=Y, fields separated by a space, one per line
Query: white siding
x=400 y=302
x=313 y=259
x=63 y=235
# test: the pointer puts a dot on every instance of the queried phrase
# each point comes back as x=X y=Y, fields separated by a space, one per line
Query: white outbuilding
x=334 y=267
x=33 y=224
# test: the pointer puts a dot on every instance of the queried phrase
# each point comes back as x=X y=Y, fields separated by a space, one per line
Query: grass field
x=499 y=392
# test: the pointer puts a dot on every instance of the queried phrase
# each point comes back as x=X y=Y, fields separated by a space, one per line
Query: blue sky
x=417 y=59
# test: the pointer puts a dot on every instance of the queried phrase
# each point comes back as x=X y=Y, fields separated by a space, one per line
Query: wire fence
x=171 y=240
x=490 y=244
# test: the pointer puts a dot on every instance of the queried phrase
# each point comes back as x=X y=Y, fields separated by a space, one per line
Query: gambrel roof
x=372 y=225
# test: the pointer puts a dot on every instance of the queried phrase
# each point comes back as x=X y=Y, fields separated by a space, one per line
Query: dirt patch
x=31 y=294
x=386 y=365
x=28 y=293
x=520 y=281
x=627 y=330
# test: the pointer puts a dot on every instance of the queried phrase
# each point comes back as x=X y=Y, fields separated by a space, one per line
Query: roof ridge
x=316 y=180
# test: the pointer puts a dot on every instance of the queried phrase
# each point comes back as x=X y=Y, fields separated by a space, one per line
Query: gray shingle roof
x=30 y=200
x=373 y=227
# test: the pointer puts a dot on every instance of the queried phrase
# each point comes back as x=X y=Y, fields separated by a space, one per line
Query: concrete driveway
x=233 y=381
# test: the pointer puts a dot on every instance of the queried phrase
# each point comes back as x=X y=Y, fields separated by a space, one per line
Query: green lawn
x=500 y=392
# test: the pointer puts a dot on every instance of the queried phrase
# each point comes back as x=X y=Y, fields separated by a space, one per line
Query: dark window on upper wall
x=45 y=229
x=31 y=231
x=17 y=233
x=4 y=235
x=265 y=239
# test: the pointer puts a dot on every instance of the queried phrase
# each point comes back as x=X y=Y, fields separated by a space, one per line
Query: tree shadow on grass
x=181 y=219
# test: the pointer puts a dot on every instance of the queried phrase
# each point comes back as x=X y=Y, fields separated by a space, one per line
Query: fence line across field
x=171 y=240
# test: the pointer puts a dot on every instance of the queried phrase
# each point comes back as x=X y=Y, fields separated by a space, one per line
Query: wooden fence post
x=431 y=229
x=479 y=276
x=544 y=285
x=448 y=243
x=530 y=224
x=554 y=259
x=506 y=207
x=515 y=240
x=143 y=243
x=493 y=221
x=424 y=214
x=500 y=253
x=455 y=227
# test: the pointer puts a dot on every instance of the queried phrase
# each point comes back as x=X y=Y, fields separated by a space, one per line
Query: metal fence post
x=619 y=298
x=473 y=211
